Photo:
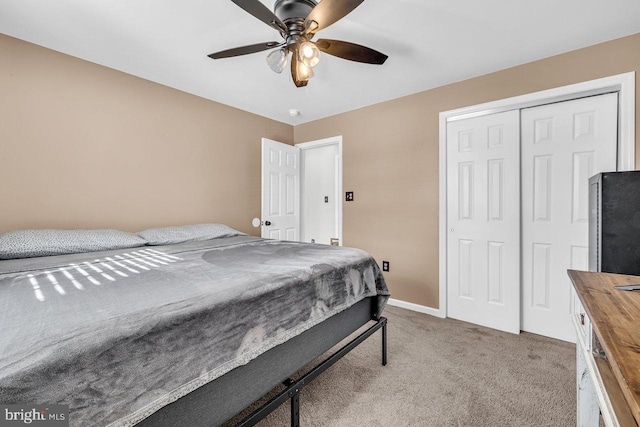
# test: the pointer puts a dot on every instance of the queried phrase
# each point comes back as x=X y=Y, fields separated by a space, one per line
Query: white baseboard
x=416 y=307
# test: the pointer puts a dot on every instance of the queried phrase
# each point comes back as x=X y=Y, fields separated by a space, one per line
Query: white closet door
x=483 y=218
x=563 y=144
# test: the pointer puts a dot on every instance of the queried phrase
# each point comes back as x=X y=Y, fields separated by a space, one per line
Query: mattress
x=117 y=335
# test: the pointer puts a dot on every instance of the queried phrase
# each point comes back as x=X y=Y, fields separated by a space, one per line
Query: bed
x=186 y=333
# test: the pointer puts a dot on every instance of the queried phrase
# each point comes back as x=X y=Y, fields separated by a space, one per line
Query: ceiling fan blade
x=260 y=11
x=327 y=12
x=299 y=74
x=244 y=50
x=351 y=51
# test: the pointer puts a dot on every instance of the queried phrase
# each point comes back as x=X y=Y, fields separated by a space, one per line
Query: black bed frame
x=294 y=387
x=222 y=399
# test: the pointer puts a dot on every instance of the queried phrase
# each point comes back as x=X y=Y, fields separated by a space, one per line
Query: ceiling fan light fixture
x=303 y=72
x=309 y=54
x=277 y=60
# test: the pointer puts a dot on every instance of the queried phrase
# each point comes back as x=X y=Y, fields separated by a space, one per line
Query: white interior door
x=280 y=191
x=483 y=220
x=563 y=144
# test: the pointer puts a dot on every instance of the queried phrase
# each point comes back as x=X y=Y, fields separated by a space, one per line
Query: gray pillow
x=187 y=233
x=37 y=243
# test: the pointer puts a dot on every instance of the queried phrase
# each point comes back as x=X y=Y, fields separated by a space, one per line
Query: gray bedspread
x=117 y=335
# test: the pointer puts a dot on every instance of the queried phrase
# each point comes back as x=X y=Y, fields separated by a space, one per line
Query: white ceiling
x=430 y=43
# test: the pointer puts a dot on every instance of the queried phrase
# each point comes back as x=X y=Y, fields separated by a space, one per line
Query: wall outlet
x=385 y=265
x=349 y=196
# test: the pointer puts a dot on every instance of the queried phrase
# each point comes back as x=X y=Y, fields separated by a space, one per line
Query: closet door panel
x=483 y=218
x=563 y=144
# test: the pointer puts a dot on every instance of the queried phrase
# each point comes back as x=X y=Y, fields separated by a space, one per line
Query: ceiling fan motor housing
x=293 y=10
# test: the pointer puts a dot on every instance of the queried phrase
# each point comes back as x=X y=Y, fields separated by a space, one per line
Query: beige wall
x=85 y=146
x=391 y=158
x=82 y=145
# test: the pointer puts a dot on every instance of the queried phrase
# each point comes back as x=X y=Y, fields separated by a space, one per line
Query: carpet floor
x=443 y=372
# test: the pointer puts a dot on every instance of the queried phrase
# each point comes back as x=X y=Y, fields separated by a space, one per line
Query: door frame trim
x=321 y=143
x=623 y=84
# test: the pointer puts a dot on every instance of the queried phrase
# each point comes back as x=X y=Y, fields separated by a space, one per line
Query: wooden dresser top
x=615 y=316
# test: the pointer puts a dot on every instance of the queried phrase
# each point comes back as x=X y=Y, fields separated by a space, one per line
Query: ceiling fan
x=297 y=21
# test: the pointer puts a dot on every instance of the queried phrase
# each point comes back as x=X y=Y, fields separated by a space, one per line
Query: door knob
x=267 y=223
